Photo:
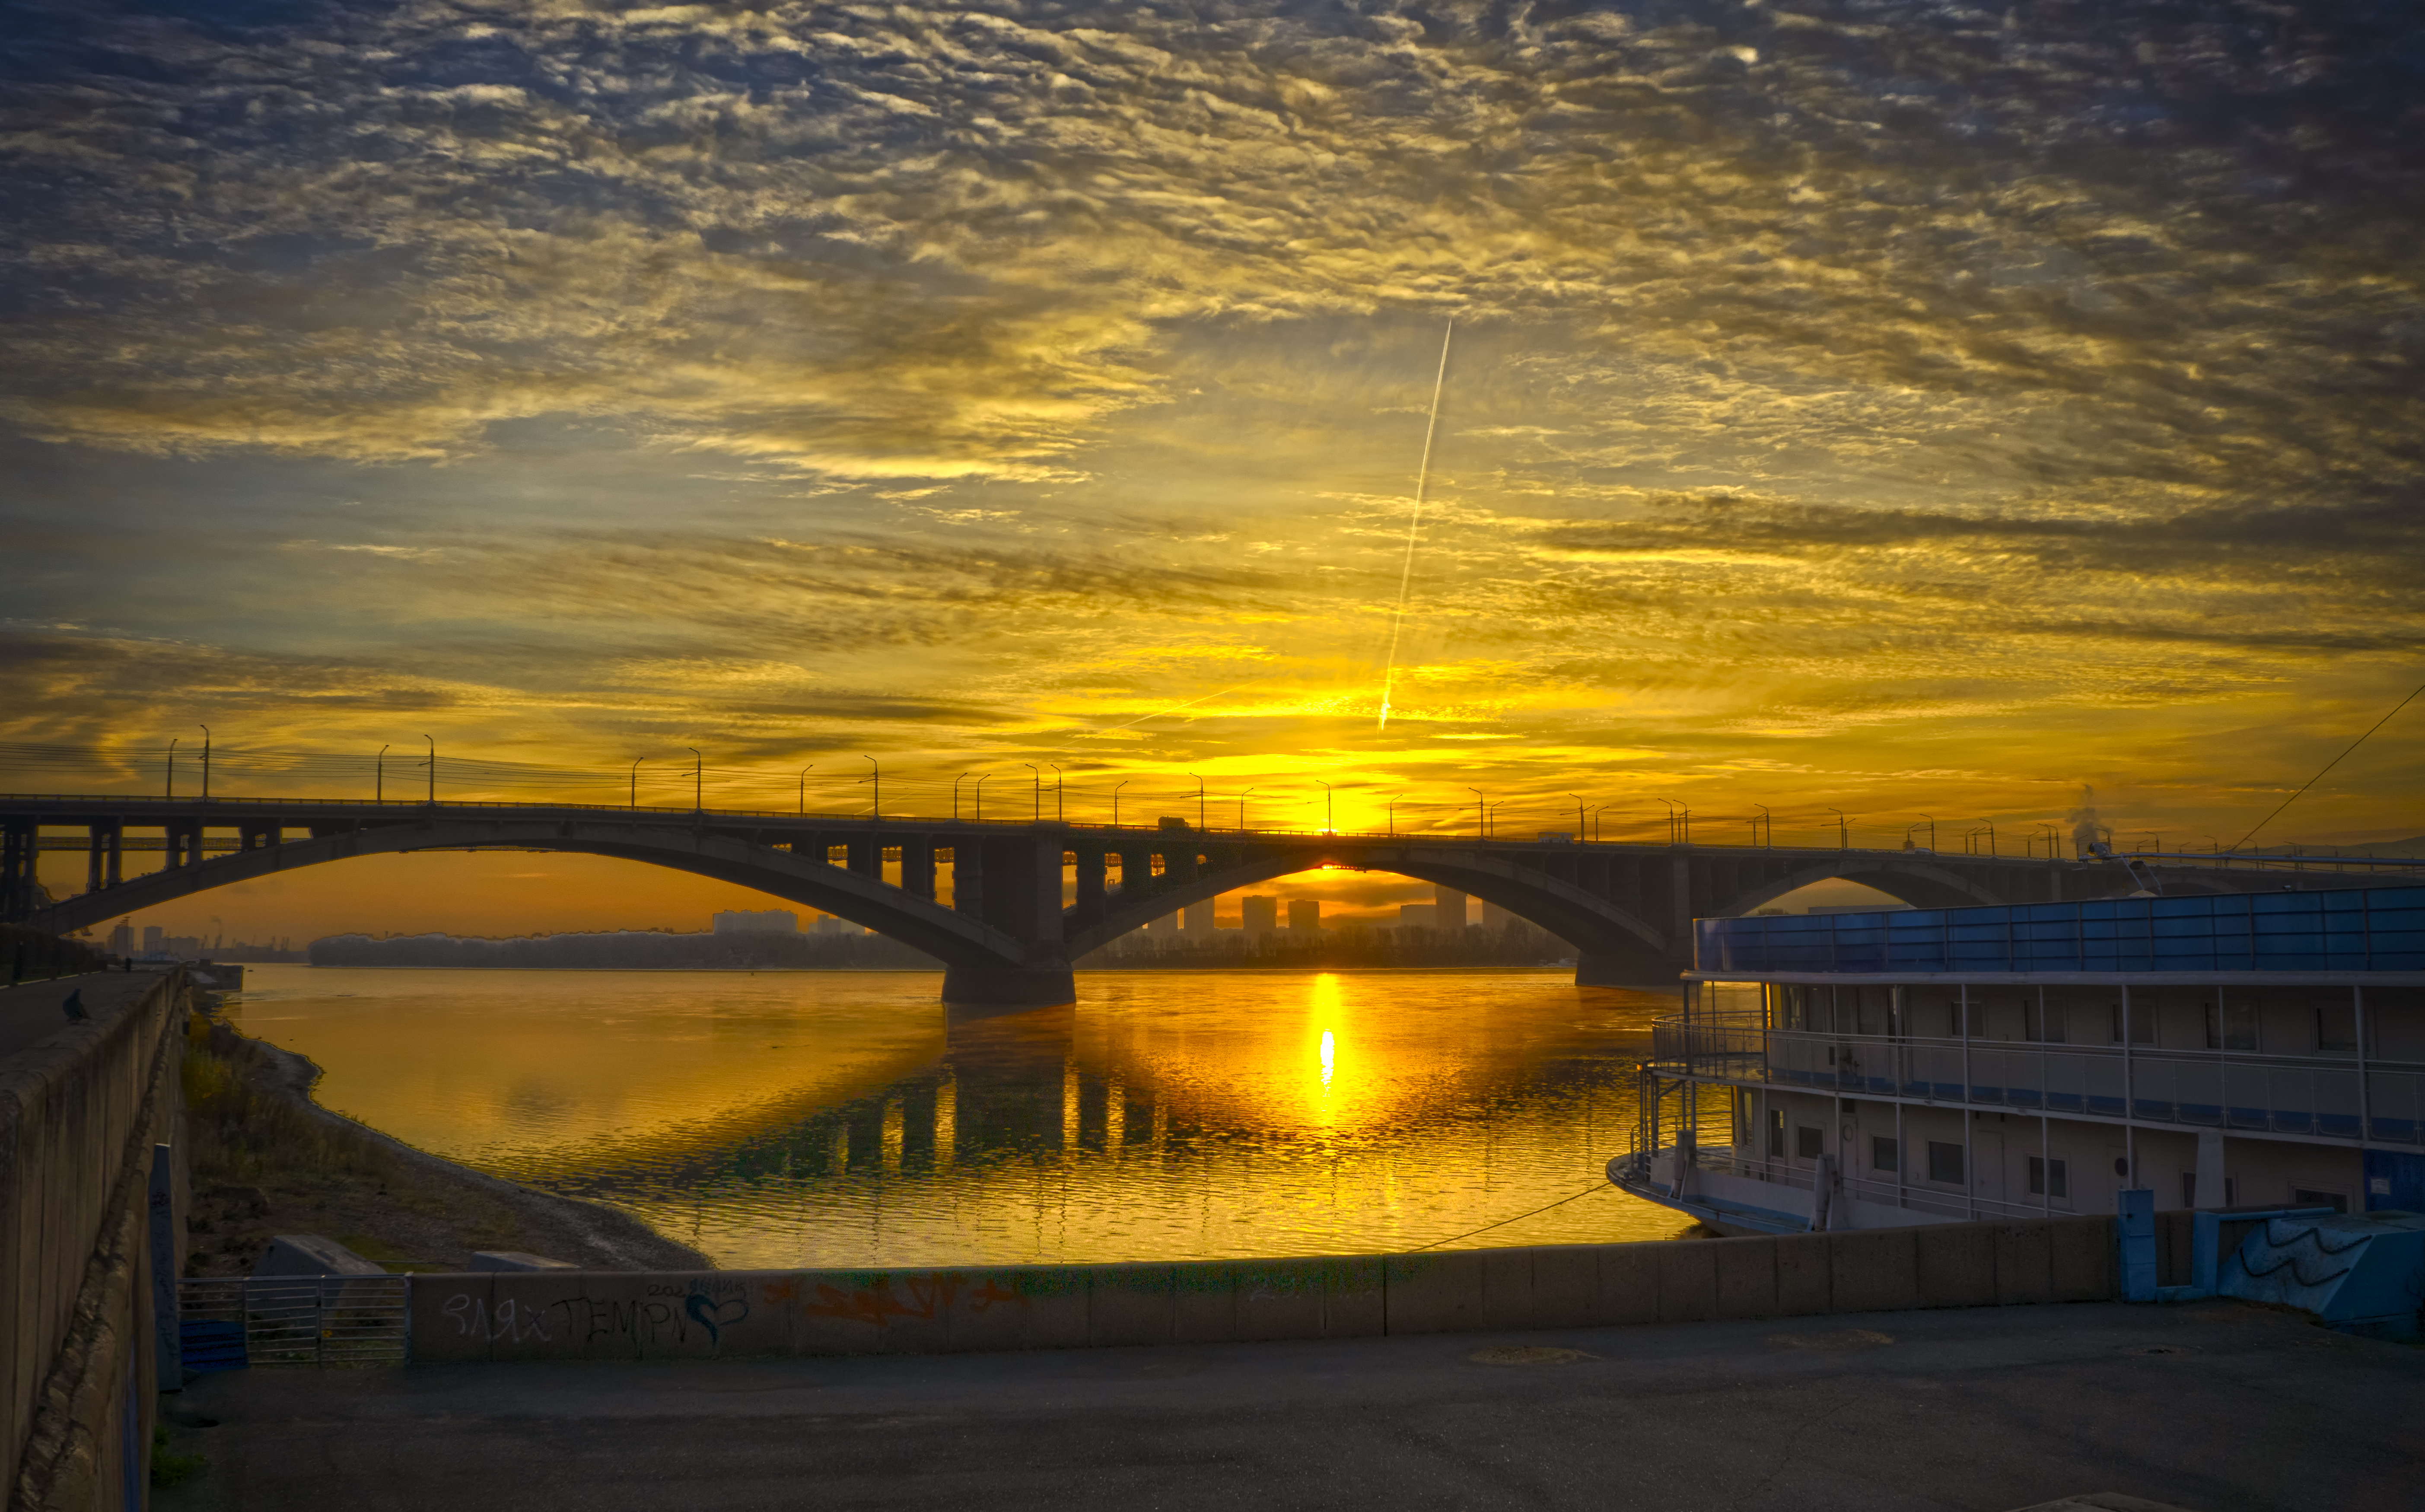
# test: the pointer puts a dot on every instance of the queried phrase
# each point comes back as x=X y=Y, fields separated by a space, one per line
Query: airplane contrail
x=1414 y=526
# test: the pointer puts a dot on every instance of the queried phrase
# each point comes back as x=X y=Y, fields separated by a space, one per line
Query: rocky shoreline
x=403 y=1207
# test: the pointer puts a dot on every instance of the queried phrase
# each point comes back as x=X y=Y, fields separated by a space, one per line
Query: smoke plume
x=2085 y=829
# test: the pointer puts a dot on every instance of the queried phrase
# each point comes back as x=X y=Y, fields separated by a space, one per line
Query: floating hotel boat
x=2246 y=1053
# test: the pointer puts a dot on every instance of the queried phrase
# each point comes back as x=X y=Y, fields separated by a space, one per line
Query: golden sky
x=1917 y=410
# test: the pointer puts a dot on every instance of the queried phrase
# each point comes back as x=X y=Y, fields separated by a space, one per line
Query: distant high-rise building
x=122 y=940
x=1195 y=920
x=1262 y=916
x=1448 y=912
x=1417 y=915
x=829 y=924
x=1305 y=916
x=771 y=922
x=153 y=935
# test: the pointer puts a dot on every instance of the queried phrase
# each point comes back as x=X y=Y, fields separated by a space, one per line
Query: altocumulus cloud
x=1799 y=331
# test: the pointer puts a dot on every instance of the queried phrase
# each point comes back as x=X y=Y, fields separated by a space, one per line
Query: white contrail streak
x=1414 y=526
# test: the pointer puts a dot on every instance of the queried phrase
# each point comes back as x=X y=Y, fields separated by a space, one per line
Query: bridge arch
x=1616 y=947
x=958 y=940
x=1915 y=878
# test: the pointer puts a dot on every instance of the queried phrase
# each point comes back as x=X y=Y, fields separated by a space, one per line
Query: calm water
x=833 y=1118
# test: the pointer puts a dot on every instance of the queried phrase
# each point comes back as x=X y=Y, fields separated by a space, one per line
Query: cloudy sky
x=1909 y=408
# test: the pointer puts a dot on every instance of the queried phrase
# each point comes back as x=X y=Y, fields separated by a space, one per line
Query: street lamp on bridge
x=206 y=764
x=432 y=765
x=1328 y=826
x=1115 y=804
x=955 y=795
x=697 y=781
x=1843 y=831
x=1767 y=819
x=1200 y=800
x=1481 y=815
x=1035 y=812
x=635 y=801
x=813 y=767
x=979 y=791
x=1672 y=806
x=1931 y=832
x=172 y=771
x=876 y=792
x=378 y=781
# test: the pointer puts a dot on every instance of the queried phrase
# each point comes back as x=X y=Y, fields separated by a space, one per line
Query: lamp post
x=1931 y=832
x=1115 y=807
x=979 y=791
x=1059 y=814
x=378 y=787
x=1991 y=835
x=1328 y=825
x=433 y=771
x=1579 y=814
x=1843 y=831
x=633 y=801
x=1768 y=821
x=955 y=795
x=1481 y=815
x=804 y=789
x=1494 y=813
x=1200 y=800
x=1242 y=810
x=1036 y=813
x=172 y=771
x=206 y=764
x=1672 y=806
x=876 y=781
x=1391 y=807
x=697 y=781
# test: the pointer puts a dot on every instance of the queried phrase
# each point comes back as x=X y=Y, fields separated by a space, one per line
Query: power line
x=2328 y=767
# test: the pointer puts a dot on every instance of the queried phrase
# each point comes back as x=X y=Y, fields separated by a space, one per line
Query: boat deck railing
x=1792 y=1184
x=2325 y=1096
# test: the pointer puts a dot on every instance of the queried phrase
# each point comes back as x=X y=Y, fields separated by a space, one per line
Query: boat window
x=2337 y=1023
x=1884 y=1156
x=2231 y=1023
x=1944 y=1162
x=1808 y=1143
x=1777 y=1134
x=2049 y=1178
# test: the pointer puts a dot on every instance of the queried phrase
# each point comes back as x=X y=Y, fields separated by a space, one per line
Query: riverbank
x=266 y=1159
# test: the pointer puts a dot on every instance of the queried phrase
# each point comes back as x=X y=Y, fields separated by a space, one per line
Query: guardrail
x=230 y=1322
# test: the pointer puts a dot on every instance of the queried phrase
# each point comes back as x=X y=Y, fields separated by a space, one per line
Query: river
x=832 y=1119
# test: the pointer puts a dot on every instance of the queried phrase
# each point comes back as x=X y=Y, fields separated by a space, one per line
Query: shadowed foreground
x=2211 y=1406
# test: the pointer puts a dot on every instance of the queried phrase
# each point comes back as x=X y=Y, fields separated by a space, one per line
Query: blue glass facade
x=2354 y=930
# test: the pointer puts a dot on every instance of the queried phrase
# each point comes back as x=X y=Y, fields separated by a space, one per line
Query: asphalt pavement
x=31 y=1012
x=2211 y=1407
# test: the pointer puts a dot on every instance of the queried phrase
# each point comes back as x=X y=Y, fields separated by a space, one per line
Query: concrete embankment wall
x=736 y=1314
x=80 y=1112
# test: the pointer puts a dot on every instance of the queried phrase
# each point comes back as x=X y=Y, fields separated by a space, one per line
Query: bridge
x=1007 y=907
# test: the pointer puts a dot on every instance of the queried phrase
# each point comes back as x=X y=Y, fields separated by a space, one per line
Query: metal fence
x=228 y=1323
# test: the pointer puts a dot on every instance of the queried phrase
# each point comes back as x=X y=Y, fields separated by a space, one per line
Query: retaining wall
x=79 y=1115
x=504 y=1315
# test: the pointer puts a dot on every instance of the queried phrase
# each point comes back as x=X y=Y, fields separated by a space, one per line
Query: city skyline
x=1934 y=419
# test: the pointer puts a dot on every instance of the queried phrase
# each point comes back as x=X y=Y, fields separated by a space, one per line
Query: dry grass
x=265 y=1164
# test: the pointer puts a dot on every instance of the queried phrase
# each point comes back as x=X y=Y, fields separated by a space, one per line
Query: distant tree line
x=629 y=950
x=1516 y=944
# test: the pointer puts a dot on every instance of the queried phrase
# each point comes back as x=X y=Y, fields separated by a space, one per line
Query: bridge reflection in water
x=835 y=1118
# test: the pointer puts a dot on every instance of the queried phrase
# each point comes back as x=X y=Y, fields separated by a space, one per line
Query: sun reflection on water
x=809 y=1119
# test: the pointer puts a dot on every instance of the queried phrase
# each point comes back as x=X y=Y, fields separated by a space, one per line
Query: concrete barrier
x=82 y=1111
x=507 y=1315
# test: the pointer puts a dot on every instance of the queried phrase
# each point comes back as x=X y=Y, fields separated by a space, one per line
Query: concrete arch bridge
x=995 y=902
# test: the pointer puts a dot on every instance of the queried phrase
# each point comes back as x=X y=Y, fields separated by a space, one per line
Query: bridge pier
x=1005 y=989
